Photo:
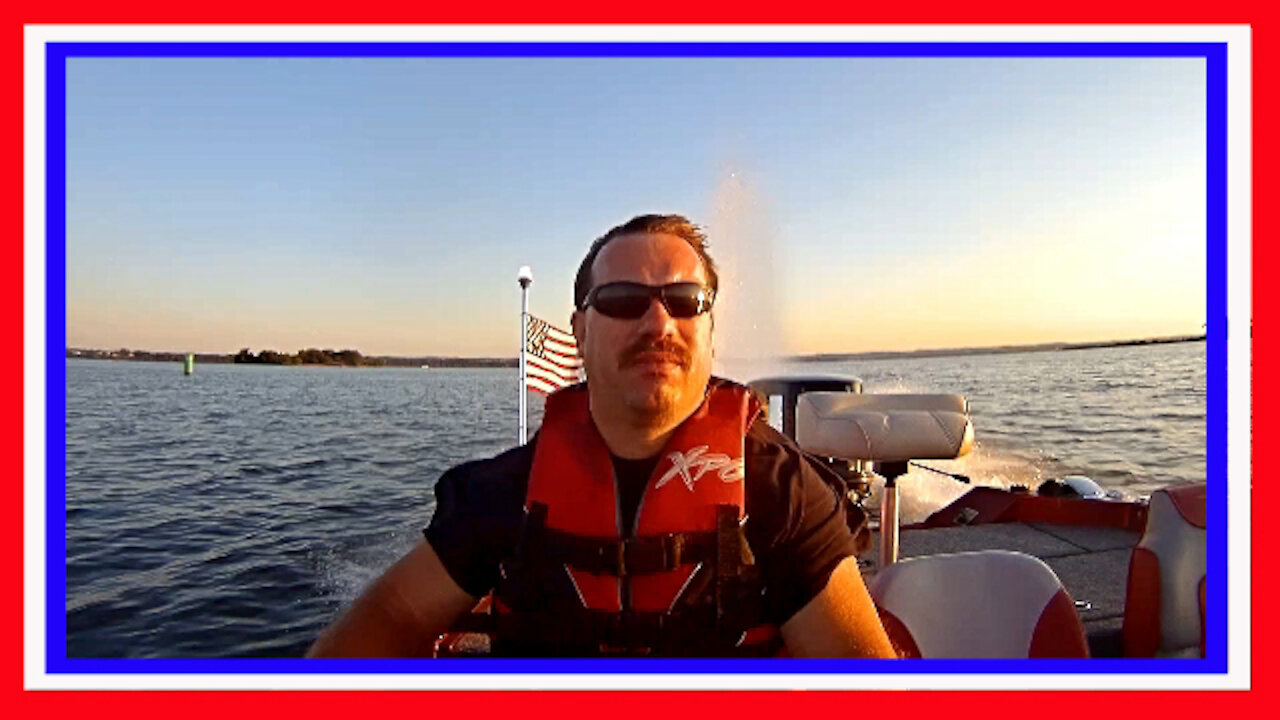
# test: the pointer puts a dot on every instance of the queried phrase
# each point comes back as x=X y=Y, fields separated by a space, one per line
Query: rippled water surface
x=233 y=512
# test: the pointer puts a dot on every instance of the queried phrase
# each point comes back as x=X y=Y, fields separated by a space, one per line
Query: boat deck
x=1092 y=562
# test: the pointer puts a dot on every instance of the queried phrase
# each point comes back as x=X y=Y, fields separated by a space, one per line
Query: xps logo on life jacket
x=698 y=462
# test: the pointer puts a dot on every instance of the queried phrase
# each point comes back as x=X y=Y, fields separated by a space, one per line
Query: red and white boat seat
x=987 y=604
x=1164 y=598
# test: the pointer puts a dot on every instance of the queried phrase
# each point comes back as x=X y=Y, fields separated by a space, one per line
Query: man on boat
x=629 y=524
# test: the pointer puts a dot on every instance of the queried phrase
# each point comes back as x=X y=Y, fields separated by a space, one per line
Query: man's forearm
x=370 y=628
x=840 y=622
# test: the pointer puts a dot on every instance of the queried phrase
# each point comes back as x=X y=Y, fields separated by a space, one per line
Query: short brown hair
x=677 y=225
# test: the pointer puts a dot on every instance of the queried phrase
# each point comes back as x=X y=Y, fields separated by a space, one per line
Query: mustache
x=669 y=349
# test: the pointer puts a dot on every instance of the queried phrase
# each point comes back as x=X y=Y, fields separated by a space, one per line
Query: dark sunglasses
x=630 y=301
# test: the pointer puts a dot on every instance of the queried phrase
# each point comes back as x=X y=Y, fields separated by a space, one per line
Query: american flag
x=551 y=356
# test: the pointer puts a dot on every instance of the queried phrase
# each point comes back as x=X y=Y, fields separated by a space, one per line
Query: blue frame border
x=1215 y=55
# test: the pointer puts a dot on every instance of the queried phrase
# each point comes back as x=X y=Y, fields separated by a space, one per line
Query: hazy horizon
x=853 y=204
x=1188 y=337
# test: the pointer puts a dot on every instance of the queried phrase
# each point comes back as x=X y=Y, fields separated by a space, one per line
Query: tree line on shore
x=310 y=356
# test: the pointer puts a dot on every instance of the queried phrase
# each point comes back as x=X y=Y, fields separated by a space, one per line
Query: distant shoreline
x=432 y=361
x=994 y=350
x=437 y=361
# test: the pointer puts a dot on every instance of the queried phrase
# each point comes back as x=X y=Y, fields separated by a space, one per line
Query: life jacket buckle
x=648 y=554
x=621 y=558
x=672 y=550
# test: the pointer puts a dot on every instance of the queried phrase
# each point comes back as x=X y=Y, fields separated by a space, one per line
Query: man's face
x=653 y=370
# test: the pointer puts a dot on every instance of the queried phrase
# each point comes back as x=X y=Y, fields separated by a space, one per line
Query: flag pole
x=525 y=278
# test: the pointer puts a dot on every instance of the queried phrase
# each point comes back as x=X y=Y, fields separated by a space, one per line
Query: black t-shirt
x=797 y=522
x=633 y=477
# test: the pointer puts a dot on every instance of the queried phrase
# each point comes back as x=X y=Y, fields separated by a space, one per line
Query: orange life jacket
x=681 y=582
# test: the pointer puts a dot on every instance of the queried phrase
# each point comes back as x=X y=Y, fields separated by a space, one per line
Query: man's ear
x=578 y=321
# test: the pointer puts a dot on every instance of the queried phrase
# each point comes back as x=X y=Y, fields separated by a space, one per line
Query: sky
x=853 y=204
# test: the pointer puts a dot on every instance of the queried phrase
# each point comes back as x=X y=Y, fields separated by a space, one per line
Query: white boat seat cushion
x=1164 y=597
x=986 y=604
x=885 y=427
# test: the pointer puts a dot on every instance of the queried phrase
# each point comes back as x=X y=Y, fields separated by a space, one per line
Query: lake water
x=233 y=512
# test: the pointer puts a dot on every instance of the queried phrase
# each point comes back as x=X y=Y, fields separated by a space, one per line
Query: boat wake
x=921 y=493
x=347 y=569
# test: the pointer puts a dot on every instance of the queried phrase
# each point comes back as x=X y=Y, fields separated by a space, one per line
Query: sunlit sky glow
x=855 y=204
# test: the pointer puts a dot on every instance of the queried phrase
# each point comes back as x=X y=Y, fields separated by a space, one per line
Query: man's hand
x=841 y=621
x=400 y=614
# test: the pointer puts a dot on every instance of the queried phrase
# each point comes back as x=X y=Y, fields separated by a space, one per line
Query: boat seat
x=884 y=426
x=985 y=604
x=1164 y=596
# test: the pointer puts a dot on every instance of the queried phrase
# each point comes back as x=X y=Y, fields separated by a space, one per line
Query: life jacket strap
x=630 y=556
x=724 y=548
